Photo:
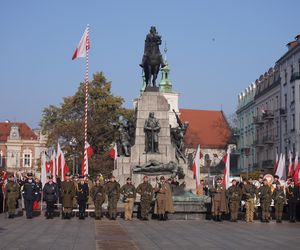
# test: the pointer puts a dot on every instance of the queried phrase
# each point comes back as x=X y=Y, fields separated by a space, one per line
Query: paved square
x=89 y=234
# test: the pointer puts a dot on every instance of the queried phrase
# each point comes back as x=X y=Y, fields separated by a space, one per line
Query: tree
x=67 y=121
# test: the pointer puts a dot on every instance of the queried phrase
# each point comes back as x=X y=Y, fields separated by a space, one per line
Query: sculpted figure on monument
x=152 y=58
x=177 y=137
x=151 y=130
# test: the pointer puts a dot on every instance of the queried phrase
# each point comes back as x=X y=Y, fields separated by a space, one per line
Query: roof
x=209 y=128
x=26 y=132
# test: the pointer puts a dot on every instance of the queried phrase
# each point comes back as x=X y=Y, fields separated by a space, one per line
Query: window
x=285 y=125
x=285 y=101
x=293 y=122
x=293 y=94
x=285 y=76
x=27 y=160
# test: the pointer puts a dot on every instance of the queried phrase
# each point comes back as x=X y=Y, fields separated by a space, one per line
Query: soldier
x=50 y=193
x=292 y=195
x=129 y=194
x=146 y=191
x=219 y=202
x=82 y=194
x=276 y=180
x=67 y=194
x=248 y=194
x=279 y=200
x=112 y=190
x=30 y=192
x=12 y=193
x=98 y=195
x=160 y=204
x=265 y=196
x=234 y=194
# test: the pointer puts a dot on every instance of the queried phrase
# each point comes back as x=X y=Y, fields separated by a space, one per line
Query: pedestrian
x=248 y=195
x=265 y=196
x=98 y=195
x=292 y=195
x=82 y=195
x=146 y=191
x=30 y=192
x=112 y=190
x=219 y=201
x=12 y=193
x=68 y=191
x=50 y=196
x=129 y=194
x=234 y=194
x=279 y=199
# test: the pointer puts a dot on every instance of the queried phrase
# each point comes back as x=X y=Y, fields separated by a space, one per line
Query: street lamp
x=73 y=143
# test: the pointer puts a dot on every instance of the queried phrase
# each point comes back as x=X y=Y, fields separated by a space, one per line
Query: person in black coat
x=82 y=193
x=292 y=195
x=50 y=195
x=30 y=193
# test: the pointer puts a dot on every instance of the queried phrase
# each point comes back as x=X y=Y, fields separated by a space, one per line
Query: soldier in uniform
x=279 y=200
x=292 y=195
x=82 y=195
x=219 y=201
x=12 y=193
x=234 y=194
x=68 y=190
x=98 y=195
x=265 y=196
x=112 y=190
x=30 y=192
x=146 y=191
x=50 y=195
x=248 y=194
x=161 y=199
x=129 y=194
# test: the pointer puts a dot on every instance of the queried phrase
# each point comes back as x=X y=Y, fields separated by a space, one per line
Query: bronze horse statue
x=152 y=59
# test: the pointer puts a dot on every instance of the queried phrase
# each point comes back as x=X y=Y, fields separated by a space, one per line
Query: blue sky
x=215 y=48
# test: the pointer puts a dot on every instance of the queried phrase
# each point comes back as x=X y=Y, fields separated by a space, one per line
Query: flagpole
x=85 y=166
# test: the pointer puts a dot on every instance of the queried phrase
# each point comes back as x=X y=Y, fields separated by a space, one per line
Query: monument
x=158 y=147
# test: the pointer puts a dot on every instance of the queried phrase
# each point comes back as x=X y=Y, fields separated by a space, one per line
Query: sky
x=215 y=48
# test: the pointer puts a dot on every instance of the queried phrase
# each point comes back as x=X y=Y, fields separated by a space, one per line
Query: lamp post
x=73 y=143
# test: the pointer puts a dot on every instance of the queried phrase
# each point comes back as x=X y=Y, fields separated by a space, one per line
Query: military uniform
x=161 y=199
x=279 y=199
x=234 y=194
x=50 y=195
x=292 y=195
x=68 y=190
x=146 y=191
x=12 y=193
x=30 y=192
x=98 y=195
x=248 y=194
x=129 y=192
x=82 y=194
x=112 y=190
x=265 y=196
x=219 y=201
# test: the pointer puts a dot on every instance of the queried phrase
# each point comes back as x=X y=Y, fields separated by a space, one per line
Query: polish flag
x=61 y=163
x=295 y=167
x=226 y=160
x=276 y=163
x=296 y=176
x=4 y=181
x=53 y=165
x=83 y=45
x=196 y=166
x=88 y=152
x=43 y=169
x=113 y=153
x=281 y=168
x=290 y=168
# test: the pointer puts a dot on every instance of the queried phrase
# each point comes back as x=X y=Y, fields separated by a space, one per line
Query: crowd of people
x=253 y=194
x=79 y=192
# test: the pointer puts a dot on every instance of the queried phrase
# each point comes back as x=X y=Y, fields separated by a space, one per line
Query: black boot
x=165 y=217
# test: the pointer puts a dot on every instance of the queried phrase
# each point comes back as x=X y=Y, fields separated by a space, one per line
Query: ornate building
x=20 y=147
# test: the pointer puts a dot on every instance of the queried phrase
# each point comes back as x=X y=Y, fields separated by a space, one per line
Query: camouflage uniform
x=112 y=190
x=129 y=192
x=98 y=195
x=265 y=195
x=279 y=200
x=234 y=194
x=146 y=191
x=248 y=192
x=12 y=193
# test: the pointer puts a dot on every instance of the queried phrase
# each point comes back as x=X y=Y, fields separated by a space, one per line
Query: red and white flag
x=113 y=153
x=281 y=168
x=88 y=152
x=43 y=169
x=53 y=165
x=83 y=45
x=196 y=166
x=276 y=163
x=60 y=162
x=295 y=166
x=291 y=166
x=226 y=181
x=4 y=181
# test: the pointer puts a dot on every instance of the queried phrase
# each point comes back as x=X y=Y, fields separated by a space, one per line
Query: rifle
x=177 y=119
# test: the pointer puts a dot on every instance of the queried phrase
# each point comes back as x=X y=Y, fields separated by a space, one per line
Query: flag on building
x=196 y=166
x=83 y=45
x=113 y=153
x=226 y=158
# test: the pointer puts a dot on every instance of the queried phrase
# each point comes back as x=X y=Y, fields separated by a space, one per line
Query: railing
x=257 y=120
x=268 y=114
x=295 y=76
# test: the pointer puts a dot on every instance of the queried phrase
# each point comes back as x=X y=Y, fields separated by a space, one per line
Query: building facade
x=20 y=147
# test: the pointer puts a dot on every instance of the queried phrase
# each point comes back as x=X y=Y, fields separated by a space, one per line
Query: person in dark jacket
x=50 y=195
x=30 y=192
x=292 y=195
x=82 y=194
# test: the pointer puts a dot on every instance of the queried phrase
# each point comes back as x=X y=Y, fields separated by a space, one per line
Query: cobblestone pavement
x=89 y=234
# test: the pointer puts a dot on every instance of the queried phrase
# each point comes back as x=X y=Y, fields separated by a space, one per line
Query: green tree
x=67 y=121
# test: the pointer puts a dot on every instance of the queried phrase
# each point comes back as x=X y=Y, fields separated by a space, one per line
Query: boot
x=165 y=217
x=219 y=218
